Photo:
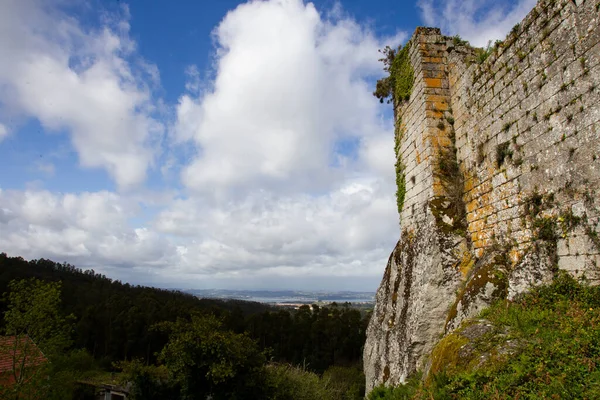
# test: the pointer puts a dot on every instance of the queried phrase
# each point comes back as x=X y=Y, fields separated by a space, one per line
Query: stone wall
x=501 y=176
x=535 y=103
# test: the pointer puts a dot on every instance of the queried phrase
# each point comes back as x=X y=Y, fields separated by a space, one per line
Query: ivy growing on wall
x=400 y=175
x=397 y=86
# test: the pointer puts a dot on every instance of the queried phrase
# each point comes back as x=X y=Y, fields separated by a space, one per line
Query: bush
x=286 y=382
x=345 y=383
x=557 y=329
x=401 y=392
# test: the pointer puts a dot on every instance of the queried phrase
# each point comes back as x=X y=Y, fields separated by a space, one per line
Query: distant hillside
x=114 y=319
x=276 y=296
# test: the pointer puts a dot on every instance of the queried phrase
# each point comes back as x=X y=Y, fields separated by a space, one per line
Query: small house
x=18 y=356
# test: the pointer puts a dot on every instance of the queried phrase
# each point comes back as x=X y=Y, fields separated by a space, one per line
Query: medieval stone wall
x=527 y=121
x=501 y=175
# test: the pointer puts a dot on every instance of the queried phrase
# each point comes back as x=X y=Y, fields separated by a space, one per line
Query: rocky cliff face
x=498 y=172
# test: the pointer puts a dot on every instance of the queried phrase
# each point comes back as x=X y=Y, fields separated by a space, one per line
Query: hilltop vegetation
x=545 y=345
x=173 y=345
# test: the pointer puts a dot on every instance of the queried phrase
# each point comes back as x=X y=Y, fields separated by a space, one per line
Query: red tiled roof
x=22 y=350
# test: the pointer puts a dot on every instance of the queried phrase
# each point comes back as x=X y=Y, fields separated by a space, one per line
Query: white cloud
x=347 y=233
x=288 y=86
x=91 y=229
x=328 y=234
x=289 y=138
x=79 y=80
x=476 y=21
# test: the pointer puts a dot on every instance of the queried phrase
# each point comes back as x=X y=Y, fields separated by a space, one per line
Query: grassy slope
x=554 y=351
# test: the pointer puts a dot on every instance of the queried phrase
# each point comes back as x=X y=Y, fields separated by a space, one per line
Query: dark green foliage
x=147 y=381
x=316 y=339
x=397 y=86
x=33 y=312
x=483 y=53
x=113 y=319
x=205 y=359
x=557 y=328
x=286 y=382
x=402 y=392
x=400 y=185
x=458 y=41
x=515 y=29
x=399 y=166
x=545 y=229
x=346 y=383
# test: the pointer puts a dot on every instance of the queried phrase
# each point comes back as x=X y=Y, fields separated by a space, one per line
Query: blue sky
x=209 y=144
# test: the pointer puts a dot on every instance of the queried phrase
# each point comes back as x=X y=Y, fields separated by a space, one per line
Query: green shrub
x=557 y=329
x=345 y=383
x=401 y=392
x=286 y=382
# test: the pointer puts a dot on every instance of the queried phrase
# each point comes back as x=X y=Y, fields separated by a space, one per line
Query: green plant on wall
x=400 y=184
x=397 y=86
x=400 y=168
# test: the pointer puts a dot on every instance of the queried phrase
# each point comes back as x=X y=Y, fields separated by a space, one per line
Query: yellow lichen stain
x=469 y=183
x=439 y=105
x=472 y=206
x=515 y=255
x=438 y=188
x=466 y=260
x=434 y=60
x=444 y=356
x=433 y=82
x=418 y=156
x=477 y=225
x=434 y=114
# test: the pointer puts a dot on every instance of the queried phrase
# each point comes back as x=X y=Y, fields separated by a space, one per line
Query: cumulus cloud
x=80 y=80
x=476 y=21
x=347 y=233
x=289 y=85
x=89 y=229
x=288 y=166
x=337 y=234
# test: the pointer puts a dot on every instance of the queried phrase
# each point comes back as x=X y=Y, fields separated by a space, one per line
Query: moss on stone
x=403 y=75
x=400 y=184
x=400 y=175
x=398 y=84
x=490 y=272
x=444 y=356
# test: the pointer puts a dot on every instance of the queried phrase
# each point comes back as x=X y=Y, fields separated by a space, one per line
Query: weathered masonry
x=498 y=177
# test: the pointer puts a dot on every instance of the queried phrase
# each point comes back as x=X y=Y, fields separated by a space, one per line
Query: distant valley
x=285 y=297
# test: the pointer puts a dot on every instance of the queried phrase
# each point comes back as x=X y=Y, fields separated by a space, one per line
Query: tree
x=32 y=322
x=206 y=360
